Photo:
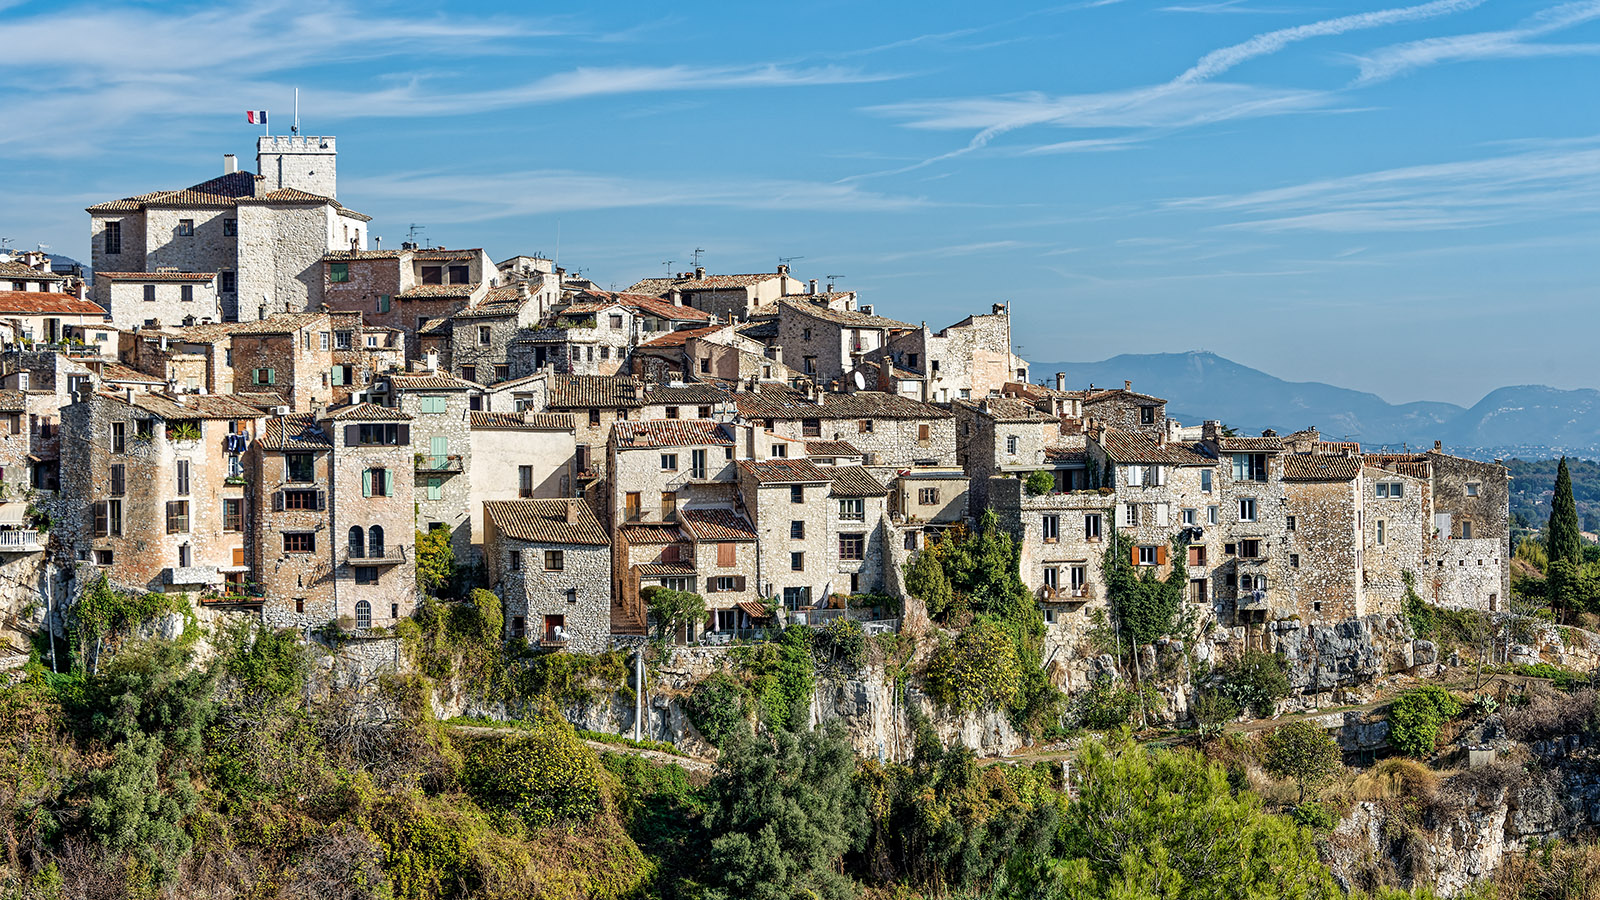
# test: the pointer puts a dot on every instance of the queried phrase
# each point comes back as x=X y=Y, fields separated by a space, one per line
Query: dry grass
x=1396 y=778
x=1550 y=713
x=1554 y=872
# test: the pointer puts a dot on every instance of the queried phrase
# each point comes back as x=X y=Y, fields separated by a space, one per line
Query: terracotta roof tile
x=583 y=391
x=854 y=481
x=1137 y=447
x=681 y=337
x=12 y=401
x=296 y=432
x=527 y=421
x=281 y=323
x=366 y=412
x=342 y=255
x=119 y=372
x=776 y=401
x=195 y=406
x=779 y=471
x=667 y=570
x=660 y=287
x=430 y=381
x=1250 y=444
x=650 y=533
x=12 y=270
x=1320 y=467
x=1004 y=409
x=691 y=394
x=716 y=525
x=546 y=521
x=669 y=433
x=847 y=318
x=437 y=291
x=38 y=303
x=157 y=277
x=1119 y=394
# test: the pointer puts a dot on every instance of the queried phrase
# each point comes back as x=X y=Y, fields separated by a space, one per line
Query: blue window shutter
x=366 y=482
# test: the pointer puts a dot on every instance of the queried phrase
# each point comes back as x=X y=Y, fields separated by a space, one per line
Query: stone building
x=596 y=403
x=728 y=297
x=291 y=483
x=262 y=235
x=288 y=355
x=518 y=456
x=787 y=499
x=407 y=289
x=478 y=347
x=550 y=562
x=825 y=344
x=48 y=318
x=154 y=490
x=596 y=332
x=657 y=466
x=440 y=407
x=971 y=359
x=891 y=432
x=154 y=299
x=30 y=271
x=1323 y=500
x=1126 y=410
x=999 y=435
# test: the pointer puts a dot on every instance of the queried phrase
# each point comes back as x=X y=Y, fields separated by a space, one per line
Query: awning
x=13 y=513
x=755 y=610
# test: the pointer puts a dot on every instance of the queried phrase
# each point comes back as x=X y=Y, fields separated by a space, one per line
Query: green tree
x=436 y=560
x=978 y=669
x=1041 y=482
x=785 y=811
x=672 y=609
x=544 y=776
x=1146 y=606
x=1562 y=540
x=925 y=580
x=1166 y=823
x=1302 y=751
x=1415 y=717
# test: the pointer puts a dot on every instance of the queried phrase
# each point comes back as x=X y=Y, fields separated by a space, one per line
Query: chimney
x=866 y=309
x=783 y=268
x=699 y=273
x=1269 y=433
x=230 y=164
x=522 y=290
x=1127 y=385
x=433 y=360
x=316 y=410
x=377 y=242
x=1438 y=446
x=1211 y=430
x=998 y=309
x=812 y=287
x=572 y=510
x=1061 y=381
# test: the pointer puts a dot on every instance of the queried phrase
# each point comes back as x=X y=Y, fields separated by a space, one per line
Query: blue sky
x=1399 y=198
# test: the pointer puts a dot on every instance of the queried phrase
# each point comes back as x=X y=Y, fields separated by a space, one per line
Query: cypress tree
x=1561 y=534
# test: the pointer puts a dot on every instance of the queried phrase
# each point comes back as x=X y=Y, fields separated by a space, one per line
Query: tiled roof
x=529 y=421
x=209 y=332
x=119 y=372
x=430 y=381
x=776 y=401
x=195 y=406
x=157 y=277
x=1136 y=447
x=435 y=291
x=366 y=412
x=854 y=481
x=259 y=399
x=685 y=394
x=819 y=296
x=831 y=448
x=12 y=270
x=296 y=432
x=443 y=326
x=281 y=323
x=1250 y=444
x=233 y=184
x=1120 y=394
x=38 y=303
x=1065 y=453
x=1337 y=446
x=650 y=533
x=341 y=255
x=778 y=471
x=581 y=391
x=669 y=433
x=1004 y=409
x=432 y=253
x=594 y=301
x=545 y=521
x=680 y=338
x=658 y=570
x=492 y=308
x=1410 y=464
x=659 y=287
x=716 y=525
x=1319 y=467
x=12 y=401
x=847 y=318
x=760 y=329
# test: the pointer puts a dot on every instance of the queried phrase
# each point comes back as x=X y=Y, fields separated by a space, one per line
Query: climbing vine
x=1146 y=606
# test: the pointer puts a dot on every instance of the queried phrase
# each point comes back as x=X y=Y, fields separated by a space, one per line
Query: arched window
x=363 y=614
x=358 y=543
x=375 y=542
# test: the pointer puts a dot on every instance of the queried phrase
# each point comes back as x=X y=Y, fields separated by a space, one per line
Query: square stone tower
x=300 y=162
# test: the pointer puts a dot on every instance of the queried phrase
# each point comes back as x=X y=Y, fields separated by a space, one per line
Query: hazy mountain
x=1529 y=420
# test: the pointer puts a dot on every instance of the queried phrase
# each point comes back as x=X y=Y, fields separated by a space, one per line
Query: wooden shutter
x=277 y=501
x=322 y=500
x=1161 y=555
x=272 y=376
x=338 y=376
x=405 y=433
x=711 y=585
x=366 y=482
x=352 y=435
x=238 y=556
x=738 y=582
x=1135 y=554
x=725 y=554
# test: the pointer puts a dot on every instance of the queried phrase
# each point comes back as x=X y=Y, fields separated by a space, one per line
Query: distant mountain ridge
x=1524 y=420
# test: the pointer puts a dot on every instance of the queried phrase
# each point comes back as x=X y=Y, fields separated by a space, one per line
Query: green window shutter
x=255 y=376
x=366 y=482
x=383 y=303
x=439 y=445
x=338 y=376
x=435 y=488
x=272 y=376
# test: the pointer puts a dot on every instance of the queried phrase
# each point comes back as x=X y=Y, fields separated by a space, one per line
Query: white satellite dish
x=859 y=379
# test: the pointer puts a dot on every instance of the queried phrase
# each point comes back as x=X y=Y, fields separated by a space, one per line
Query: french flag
x=256 y=116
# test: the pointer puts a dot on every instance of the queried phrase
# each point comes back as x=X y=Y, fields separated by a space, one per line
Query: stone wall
x=1407 y=535
x=1323 y=577
x=125 y=301
x=580 y=592
x=1465 y=574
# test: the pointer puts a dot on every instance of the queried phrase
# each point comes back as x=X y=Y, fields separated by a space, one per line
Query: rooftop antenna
x=785 y=260
x=413 y=231
x=697 y=252
x=831 y=280
x=295 y=128
x=668 y=264
x=5 y=242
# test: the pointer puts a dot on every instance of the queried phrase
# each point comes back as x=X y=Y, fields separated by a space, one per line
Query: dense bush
x=544 y=775
x=842 y=640
x=1303 y=751
x=1040 y=482
x=716 y=706
x=978 y=670
x=1415 y=718
x=1252 y=682
x=1107 y=703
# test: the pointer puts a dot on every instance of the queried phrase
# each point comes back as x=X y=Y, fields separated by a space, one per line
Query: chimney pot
x=1061 y=381
x=230 y=164
x=812 y=286
x=1127 y=385
x=699 y=273
x=1438 y=445
x=783 y=268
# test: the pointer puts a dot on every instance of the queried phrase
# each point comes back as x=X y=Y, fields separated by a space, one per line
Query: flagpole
x=296 y=111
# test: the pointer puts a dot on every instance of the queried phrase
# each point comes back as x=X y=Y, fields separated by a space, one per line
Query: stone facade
x=971 y=359
x=550 y=562
x=441 y=433
x=824 y=344
x=158 y=298
x=517 y=457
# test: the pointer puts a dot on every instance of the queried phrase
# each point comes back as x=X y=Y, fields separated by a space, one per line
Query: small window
x=780 y=451
x=1294 y=560
x=514 y=560
x=177 y=516
x=299 y=467
x=300 y=604
x=852 y=547
x=797 y=529
x=1247 y=509
x=1250 y=549
x=1472 y=489
x=525 y=481
x=1011 y=445
x=911 y=540
x=797 y=493
x=230 y=282
x=1091 y=526
x=672 y=412
x=797 y=561
x=363 y=614
x=113 y=238
x=1147 y=555
x=616 y=321
x=928 y=496
x=185 y=228
x=469 y=373
x=383 y=303
x=555 y=560
x=339 y=273
x=1050 y=528
x=864 y=426
x=149 y=293
x=594 y=417
x=183 y=478
x=1147 y=415
x=460 y=274
x=366 y=575
x=1211 y=514
x=669 y=462
x=186 y=293
x=299 y=542
x=230 y=227
x=1288 y=523
x=233 y=514
x=485 y=335
x=853 y=509
x=119 y=436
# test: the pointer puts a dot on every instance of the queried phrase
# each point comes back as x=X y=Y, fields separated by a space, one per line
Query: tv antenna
x=832 y=279
x=668 y=264
x=785 y=260
x=414 y=231
x=697 y=252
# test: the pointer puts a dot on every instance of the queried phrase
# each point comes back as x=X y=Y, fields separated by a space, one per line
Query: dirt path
x=693 y=764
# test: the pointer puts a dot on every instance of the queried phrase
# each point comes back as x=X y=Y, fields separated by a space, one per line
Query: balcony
x=438 y=465
x=1080 y=594
x=386 y=556
x=235 y=594
x=20 y=541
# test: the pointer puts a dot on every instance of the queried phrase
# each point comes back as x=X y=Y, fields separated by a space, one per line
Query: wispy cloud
x=1192 y=98
x=456 y=198
x=1398 y=59
x=1560 y=182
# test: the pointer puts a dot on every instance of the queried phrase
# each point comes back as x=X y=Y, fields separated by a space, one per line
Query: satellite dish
x=859 y=379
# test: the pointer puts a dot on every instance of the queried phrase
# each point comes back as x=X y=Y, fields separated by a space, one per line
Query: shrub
x=1415 y=717
x=978 y=669
x=716 y=706
x=1302 y=751
x=1252 y=682
x=544 y=776
x=841 y=640
x=1315 y=816
x=781 y=677
x=1040 y=482
x=672 y=609
x=1394 y=778
x=1108 y=703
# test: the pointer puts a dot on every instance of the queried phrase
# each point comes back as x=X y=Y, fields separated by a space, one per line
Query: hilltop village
x=256 y=404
